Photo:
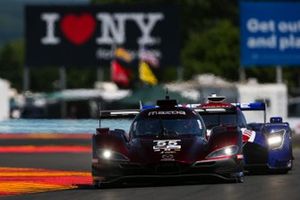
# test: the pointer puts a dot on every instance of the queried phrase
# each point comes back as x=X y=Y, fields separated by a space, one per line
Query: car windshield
x=215 y=119
x=155 y=127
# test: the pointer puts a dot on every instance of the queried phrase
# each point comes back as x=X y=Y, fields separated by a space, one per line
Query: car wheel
x=240 y=179
x=290 y=165
x=97 y=184
x=100 y=185
x=282 y=171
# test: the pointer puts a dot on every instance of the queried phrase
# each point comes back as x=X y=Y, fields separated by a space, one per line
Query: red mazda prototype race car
x=166 y=141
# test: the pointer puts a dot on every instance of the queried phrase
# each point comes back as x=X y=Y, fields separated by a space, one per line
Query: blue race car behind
x=271 y=148
x=267 y=145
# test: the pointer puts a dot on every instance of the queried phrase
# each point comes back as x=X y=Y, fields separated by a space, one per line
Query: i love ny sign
x=88 y=35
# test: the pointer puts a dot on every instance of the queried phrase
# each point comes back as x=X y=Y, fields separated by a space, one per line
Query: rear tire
x=281 y=171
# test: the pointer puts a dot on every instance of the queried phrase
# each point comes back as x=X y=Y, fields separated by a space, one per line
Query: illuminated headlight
x=226 y=151
x=107 y=154
x=275 y=139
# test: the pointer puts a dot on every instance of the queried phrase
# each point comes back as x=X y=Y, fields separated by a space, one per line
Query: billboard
x=270 y=33
x=88 y=35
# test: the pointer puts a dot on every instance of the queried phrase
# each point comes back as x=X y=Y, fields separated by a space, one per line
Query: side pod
x=222 y=136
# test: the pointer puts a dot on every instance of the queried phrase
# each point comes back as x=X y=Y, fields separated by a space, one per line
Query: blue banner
x=270 y=33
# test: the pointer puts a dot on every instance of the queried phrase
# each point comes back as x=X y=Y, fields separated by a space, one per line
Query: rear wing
x=123 y=113
x=117 y=114
x=130 y=113
x=197 y=108
x=126 y=113
x=256 y=106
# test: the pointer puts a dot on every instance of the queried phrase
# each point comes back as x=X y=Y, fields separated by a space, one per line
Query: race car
x=165 y=141
x=266 y=146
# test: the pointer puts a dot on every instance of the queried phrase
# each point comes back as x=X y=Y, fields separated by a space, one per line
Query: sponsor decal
x=248 y=135
x=166 y=146
x=214 y=105
x=170 y=112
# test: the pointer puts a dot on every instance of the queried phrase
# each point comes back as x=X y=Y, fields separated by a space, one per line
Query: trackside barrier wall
x=4 y=99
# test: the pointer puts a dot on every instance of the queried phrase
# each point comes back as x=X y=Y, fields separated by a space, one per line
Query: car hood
x=152 y=150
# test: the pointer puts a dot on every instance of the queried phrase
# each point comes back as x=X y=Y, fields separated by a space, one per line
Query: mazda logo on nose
x=167 y=157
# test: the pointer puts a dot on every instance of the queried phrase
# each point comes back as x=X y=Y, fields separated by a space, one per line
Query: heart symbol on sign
x=78 y=28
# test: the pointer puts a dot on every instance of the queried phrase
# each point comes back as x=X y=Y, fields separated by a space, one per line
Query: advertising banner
x=88 y=35
x=270 y=33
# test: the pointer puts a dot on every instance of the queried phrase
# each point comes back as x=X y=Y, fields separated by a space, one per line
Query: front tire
x=101 y=185
x=96 y=184
x=240 y=179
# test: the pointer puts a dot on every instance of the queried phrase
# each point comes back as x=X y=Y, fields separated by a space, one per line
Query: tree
x=44 y=78
x=213 y=51
x=11 y=63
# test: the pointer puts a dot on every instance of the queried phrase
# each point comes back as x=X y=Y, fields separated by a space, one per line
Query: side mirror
x=276 y=120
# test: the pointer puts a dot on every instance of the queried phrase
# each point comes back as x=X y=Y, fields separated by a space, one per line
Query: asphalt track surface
x=255 y=186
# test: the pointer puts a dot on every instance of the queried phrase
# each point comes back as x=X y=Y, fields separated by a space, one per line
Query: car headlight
x=226 y=151
x=107 y=154
x=275 y=139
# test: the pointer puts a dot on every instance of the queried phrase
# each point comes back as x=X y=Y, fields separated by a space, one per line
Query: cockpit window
x=215 y=119
x=167 y=127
